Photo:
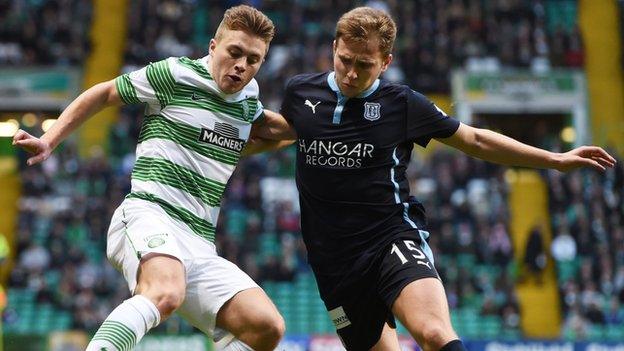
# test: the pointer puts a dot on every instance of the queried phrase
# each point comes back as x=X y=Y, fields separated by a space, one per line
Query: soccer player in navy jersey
x=366 y=237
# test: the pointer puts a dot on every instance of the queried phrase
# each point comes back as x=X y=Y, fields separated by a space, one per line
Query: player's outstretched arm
x=272 y=132
x=256 y=145
x=273 y=126
x=84 y=106
x=494 y=147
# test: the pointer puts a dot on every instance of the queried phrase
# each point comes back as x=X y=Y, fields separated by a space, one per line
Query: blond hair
x=249 y=20
x=361 y=23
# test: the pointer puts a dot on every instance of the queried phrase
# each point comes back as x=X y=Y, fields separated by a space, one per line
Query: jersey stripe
x=193 y=97
x=423 y=243
x=174 y=196
x=177 y=169
x=196 y=66
x=178 y=154
x=159 y=127
x=160 y=78
x=126 y=90
x=166 y=172
x=198 y=225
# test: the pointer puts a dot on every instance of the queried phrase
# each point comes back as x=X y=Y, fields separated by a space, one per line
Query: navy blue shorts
x=360 y=307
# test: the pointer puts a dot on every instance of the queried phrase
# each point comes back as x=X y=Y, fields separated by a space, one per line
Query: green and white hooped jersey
x=190 y=140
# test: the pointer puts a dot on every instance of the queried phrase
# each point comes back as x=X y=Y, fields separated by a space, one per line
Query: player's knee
x=168 y=300
x=436 y=335
x=272 y=329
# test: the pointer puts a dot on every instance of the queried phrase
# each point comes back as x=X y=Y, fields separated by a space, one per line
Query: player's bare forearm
x=271 y=133
x=84 y=106
x=274 y=127
x=257 y=145
x=494 y=147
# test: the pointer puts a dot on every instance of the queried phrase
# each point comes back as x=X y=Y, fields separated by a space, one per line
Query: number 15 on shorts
x=413 y=252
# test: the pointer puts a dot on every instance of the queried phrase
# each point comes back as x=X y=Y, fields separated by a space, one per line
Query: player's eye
x=252 y=60
x=345 y=60
x=235 y=53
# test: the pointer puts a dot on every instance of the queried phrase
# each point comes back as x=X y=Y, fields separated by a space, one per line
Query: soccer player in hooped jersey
x=366 y=237
x=198 y=117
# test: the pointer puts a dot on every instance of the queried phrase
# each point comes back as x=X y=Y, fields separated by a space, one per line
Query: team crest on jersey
x=156 y=240
x=372 y=111
x=246 y=115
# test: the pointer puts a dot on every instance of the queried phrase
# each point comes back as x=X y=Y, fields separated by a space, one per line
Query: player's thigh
x=355 y=308
x=423 y=309
x=249 y=309
x=211 y=284
x=388 y=341
x=144 y=245
x=161 y=276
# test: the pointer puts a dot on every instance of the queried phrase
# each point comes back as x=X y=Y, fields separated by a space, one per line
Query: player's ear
x=212 y=46
x=386 y=62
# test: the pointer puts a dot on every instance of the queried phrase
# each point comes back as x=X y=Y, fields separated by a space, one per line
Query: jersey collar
x=331 y=80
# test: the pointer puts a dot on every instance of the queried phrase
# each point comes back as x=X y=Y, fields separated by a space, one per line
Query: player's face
x=235 y=59
x=358 y=65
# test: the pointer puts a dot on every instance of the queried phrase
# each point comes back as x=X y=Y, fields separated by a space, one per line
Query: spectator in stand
x=435 y=37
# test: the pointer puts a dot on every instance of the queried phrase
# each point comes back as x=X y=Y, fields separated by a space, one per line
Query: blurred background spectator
x=68 y=201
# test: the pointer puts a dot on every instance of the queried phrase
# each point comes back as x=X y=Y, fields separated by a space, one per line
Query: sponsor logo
x=311 y=105
x=339 y=318
x=535 y=346
x=224 y=135
x=335 y=154
x=196 y=97
x=372 y=111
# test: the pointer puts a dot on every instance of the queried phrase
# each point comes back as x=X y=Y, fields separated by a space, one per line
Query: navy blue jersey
x=352 y=154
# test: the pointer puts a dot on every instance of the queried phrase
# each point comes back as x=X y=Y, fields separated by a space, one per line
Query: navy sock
x=455 y=345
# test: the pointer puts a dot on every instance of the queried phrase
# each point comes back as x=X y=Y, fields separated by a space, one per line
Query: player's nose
x=352 y=74
x=240 y=65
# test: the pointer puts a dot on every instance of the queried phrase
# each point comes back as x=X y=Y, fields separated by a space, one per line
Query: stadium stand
x=62 y=280
x=588 y=249
x=44 y=32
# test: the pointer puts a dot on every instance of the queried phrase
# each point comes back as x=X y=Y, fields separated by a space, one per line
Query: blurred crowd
x=587 y=212
x=468 y=218
x=64 y=213
x=35 y=32
x=434 y=36
x=68 y=201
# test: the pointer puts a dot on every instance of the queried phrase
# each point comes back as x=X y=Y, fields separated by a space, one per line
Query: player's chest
x=328 y=117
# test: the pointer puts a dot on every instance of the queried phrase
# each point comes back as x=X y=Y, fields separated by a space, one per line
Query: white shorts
x=140 y=227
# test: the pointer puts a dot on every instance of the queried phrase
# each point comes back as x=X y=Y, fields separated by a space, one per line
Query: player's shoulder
x=307 y=80
x=400 y=89
x=187 y=67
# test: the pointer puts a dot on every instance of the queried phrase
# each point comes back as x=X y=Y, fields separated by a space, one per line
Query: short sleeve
x=153 y=84
x=259 y=115
x=426 y=121
x=286 y=109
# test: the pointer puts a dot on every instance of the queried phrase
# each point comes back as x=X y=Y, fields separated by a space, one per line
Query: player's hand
x=40 y=149
x=585 y=156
